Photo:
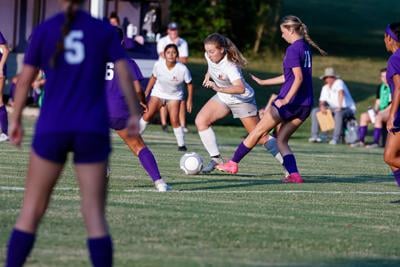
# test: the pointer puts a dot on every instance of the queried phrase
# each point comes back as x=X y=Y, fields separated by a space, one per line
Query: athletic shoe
x=229 y=167
x=293 y=178
x=162 y=186
x=211 y=165
x=357 y=144
x=314 y=140
x=3 y=137
x=373 y=145
x=182 y=148
x=333 y=142
x=285 y=172
x=185 y=130
x=164 y=128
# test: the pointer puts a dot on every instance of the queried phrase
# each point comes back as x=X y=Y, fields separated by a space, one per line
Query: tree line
x=251 y=24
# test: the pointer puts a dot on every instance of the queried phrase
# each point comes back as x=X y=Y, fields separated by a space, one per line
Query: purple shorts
x=87 y=147
x=290 y=112
x=117 y=123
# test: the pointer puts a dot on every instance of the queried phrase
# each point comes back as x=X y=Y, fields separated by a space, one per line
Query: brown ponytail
x=229 y=47
x=293 y=22
x=65 y=29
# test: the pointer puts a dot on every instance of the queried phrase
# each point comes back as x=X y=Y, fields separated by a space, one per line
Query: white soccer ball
x=191 y=163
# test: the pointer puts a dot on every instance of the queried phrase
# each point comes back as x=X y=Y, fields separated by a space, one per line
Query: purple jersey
x=393 y=68
x=117 y=107
x=298 y=54
x=75 y=94
x=3 y=41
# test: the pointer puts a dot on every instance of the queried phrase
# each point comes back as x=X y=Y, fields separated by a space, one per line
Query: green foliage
x=235 y=18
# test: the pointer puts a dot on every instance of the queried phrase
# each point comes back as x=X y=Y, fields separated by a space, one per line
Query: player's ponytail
x=229 y=47
x=293 y=22
x=65 y=29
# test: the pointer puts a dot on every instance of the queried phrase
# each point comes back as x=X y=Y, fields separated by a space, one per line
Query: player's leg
x=182 y=115
x=3 y=113
x=362 y=130
x=270 y=119
x=392 y=155
x=164 y=118
x=289 y=161
x=41 y=178
x=146 y=158
x=212 y=111
x=153 y=106
x=268 y=141
x=173 y=110
x=314 y=127
x=380 y=118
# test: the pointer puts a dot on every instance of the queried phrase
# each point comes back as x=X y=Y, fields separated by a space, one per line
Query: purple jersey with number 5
x=117 y=107
x=298 y=54
x=75 y=95
x=3 y=41
x=393 y=68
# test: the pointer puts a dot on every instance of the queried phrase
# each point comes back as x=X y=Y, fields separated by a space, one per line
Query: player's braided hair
x=395 y=27
x=230 y=48
x=293 y=22
x=65 y=29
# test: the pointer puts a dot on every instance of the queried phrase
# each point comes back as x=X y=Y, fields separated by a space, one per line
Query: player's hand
x=16 y=133
x=189 y=106
x=210 y=84
x=133 y=126
x=144 y=107
x=280 y=102
x=256 y=79
x=206 y=79
x=390 y=125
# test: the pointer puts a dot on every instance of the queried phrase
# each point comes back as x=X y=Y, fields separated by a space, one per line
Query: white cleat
x=162 y=186
x=3 y=137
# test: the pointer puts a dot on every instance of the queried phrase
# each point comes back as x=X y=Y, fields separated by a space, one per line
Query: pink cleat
x=293 y=178
x=230 y=167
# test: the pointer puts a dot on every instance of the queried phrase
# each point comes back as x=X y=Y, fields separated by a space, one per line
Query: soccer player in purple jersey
x=392 y=147
x=293 y=104
x=119 y=113
x=4 y=51
x=73 y=118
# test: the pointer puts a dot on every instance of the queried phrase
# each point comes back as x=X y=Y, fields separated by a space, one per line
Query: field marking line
x=17 y=188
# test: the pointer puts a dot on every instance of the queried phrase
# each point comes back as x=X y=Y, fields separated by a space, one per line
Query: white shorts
x=163 y=95
x=240 y=110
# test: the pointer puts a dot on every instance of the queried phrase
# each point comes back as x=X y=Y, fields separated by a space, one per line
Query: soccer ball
x=191 y=163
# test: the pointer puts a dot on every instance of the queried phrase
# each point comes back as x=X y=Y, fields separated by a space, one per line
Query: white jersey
x=331 y=95
x=182 y=45
x=223 y=74
x=170 y=83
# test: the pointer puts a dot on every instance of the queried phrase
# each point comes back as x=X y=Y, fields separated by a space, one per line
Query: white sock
x=209 y=141
x=272 y=147
x=143 y=125
x=180 y=136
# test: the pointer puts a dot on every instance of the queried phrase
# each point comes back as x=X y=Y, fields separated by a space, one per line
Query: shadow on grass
x=363 y=262
x=209 y=184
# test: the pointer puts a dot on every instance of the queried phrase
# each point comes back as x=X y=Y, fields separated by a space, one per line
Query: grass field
x=341 y=216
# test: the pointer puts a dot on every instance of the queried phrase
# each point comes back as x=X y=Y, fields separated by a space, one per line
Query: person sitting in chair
x=336 y=97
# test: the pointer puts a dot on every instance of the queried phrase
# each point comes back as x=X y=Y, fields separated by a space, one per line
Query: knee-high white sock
x=143 y=125
x=180 y=136
x=209 y=141
x=272 y=147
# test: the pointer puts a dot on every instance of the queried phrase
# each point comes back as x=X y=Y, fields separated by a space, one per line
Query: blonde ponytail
x=293 y=22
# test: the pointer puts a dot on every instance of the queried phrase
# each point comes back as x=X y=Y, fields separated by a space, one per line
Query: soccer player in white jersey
x=166 y=85
x=233 y=95
x=173 y=37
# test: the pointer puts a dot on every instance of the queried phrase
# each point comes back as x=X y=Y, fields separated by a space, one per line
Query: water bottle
x=372 y=114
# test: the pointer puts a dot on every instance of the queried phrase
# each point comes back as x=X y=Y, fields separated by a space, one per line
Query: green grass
x=341 y=216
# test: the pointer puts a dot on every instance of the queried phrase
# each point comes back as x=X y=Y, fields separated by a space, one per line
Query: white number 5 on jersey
x=74 y=48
